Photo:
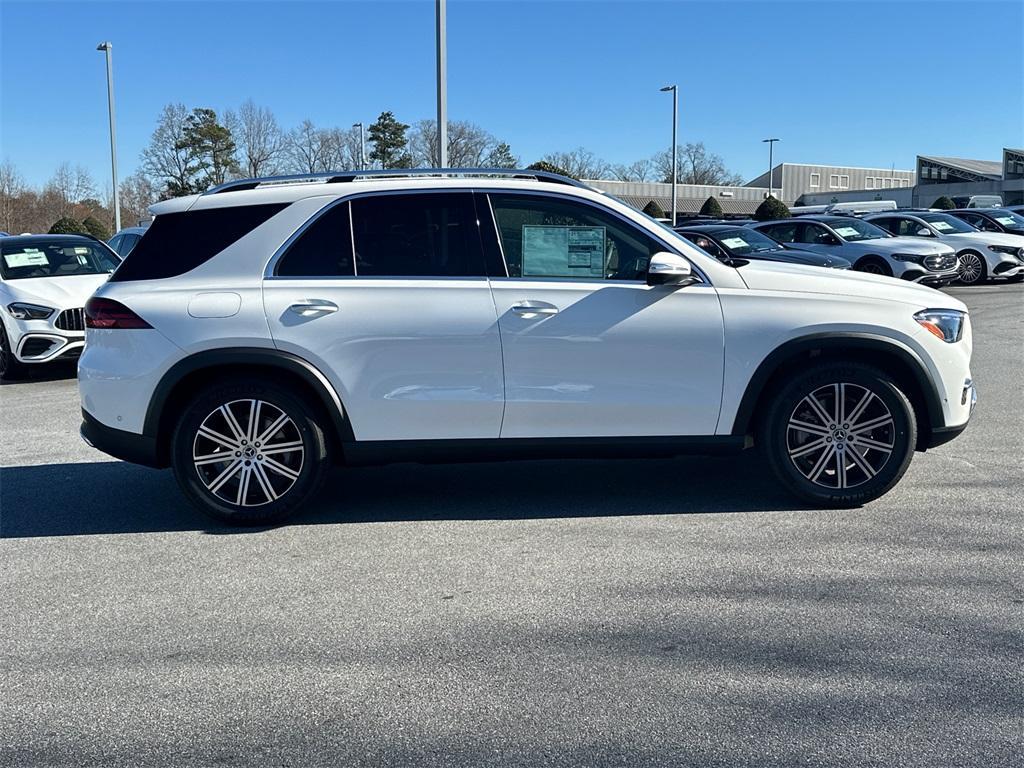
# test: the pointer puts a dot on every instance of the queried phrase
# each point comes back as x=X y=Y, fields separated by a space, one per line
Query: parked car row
x=933 y=248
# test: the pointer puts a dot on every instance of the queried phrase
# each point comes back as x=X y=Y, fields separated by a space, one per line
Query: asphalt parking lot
x=679 y=612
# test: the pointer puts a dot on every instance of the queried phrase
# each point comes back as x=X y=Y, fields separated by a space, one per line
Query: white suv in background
x=44 y=283
x=266 y=329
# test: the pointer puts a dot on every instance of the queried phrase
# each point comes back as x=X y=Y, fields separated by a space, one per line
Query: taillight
x=107 y=313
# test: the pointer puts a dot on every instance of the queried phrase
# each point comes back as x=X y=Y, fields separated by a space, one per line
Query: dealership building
x=791 y=180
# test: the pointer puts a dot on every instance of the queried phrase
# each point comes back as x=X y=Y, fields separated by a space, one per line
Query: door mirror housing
x=670 y=269
x=924 y=232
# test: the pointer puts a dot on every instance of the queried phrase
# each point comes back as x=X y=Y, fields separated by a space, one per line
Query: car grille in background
x=36 y=347
x=71 y=320
x=938 y=262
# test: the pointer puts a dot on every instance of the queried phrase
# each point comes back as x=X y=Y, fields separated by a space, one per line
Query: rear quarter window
x=176 y=243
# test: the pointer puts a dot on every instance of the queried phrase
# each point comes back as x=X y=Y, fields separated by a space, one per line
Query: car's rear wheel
x=248 y=452
x=972 y=268
x=839 y=435
x=873 y=266
x=10 y=367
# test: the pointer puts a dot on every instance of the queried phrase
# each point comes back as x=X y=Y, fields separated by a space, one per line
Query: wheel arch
x=186 y=376
x=894 y=358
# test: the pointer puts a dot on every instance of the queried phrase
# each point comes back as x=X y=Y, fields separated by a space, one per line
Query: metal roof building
x=791 y=180
x=690 y=197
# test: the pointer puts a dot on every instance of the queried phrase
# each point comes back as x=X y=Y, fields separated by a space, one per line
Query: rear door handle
x=529 y=308
x=312 y=307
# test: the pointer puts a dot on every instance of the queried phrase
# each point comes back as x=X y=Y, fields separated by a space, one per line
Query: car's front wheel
x=972 y=268
x=839 y=435
x=249 y=452
x=10 y=367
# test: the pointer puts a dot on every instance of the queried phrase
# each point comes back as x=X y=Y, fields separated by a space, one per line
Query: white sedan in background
x=982 y=255
x=45 y=281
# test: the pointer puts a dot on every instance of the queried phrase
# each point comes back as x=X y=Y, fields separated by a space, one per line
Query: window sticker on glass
x=942 y=226
x=1004 y=220
x=30 y=257
x=563 y=251
x=735 y=242
x=846 y=231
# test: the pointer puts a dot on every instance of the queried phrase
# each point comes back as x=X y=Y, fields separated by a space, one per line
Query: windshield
x=742 y=241
x=853 y=230
x=946 y=224
x=55 y=258
x=1008 y=219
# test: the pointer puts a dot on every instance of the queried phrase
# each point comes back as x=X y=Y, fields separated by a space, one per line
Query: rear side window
x=417 y=235
x=324 y=249
x=176 y=243
x=784 y=233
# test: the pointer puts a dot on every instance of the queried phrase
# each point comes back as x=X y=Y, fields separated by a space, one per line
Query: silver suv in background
x=868 y=247
x=981 y=254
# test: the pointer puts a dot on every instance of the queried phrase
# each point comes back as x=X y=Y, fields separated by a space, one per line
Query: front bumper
x=46 y=347
x=932 y=279
x=1008 y=269
x=943 y=435
x=127 y=446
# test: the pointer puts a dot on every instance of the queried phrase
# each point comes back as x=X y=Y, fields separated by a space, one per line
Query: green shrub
x=542 y=165
x=712 y=208
x=653 y=210
x=771 y=208
x=944 y=204
x=66 y=225
x=96 y=228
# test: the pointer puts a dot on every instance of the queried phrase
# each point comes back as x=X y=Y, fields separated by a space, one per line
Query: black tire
x=1015 y=279
x=979 y=261
x=778 y=438
x=299 y=443
x=11 y=369
x=873 y=265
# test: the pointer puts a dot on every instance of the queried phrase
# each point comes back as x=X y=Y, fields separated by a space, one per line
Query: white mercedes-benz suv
x=264 y=330
x=44 y=283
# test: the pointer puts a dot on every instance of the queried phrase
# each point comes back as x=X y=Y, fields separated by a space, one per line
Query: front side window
x=551 y=237
x=815 y=234
x=417 y=235
x=42 y=257
x=324 y=249
x=783 y=233
x=706 y=244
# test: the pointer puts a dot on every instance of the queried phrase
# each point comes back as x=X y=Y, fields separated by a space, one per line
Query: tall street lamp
x=442 y=83
x=675 y=128
x=771 y=146
x=107 y=47
x=362 y=146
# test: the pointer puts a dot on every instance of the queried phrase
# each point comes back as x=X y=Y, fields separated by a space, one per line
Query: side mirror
x=669 y=269
x=924 y=232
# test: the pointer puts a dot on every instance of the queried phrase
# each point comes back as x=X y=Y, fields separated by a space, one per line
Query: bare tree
x=261 y=142
x=306 y=148
x=12 y=186
x=137 y=194
x=69 y=186
x=696 y=166
x=468 y=144
x=580 y=163
x=340 y=149
x=169 y=160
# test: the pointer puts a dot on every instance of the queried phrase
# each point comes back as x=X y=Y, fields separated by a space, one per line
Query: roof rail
x=335 y=177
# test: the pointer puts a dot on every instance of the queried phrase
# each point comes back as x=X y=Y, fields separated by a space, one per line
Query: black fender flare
x=241 y=356
x=830 y=343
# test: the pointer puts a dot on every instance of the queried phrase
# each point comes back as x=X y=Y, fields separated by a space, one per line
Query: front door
x=388 y=296
x=589 y=348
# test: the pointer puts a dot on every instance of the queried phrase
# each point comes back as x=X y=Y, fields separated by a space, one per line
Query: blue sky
x=863 y=84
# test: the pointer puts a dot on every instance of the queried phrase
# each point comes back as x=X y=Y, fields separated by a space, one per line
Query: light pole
x=771 y=146
x=675 y=128
x=362 y=146
x=107 y=47
x=442 y=83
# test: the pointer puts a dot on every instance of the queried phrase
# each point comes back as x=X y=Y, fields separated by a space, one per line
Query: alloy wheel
x=840 y=435
x=970 y=268
x=248 y=452
x=872 y=268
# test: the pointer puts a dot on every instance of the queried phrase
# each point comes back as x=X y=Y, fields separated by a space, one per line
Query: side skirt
x=362 y=453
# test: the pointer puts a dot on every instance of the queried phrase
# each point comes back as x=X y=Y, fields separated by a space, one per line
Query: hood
x=989 y=238
x=67 y=292
x=915 y=245
x=776 y=276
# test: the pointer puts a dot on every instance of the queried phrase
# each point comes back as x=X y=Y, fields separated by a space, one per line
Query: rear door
x=387 y=294
x=590 y=350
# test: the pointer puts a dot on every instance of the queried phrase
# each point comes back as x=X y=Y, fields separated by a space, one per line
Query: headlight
x=29 y=311
x=947 y=324
x=916 y=258
x=1007 y=249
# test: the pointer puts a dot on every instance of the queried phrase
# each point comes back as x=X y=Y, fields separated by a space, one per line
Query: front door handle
x=313 y=307
x=531 y=308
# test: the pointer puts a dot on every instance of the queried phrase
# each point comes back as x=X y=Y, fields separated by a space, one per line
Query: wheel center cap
x=839 y=434
x=249 y=452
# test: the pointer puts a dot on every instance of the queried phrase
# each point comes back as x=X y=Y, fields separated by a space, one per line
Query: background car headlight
x=1009 y=250
x=29 y=311
x=947 y=324
x=916 y=258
